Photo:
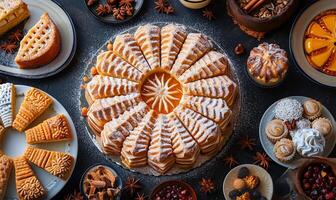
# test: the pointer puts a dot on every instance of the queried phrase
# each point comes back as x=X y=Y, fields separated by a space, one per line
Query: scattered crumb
x=84 y=111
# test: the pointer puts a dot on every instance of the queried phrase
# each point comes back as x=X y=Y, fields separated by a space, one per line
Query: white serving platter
x=14 y=145
x=297 y=42
x=268 y=146
x=68 y=40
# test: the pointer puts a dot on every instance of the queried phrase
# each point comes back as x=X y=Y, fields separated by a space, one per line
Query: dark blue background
x=92 y=34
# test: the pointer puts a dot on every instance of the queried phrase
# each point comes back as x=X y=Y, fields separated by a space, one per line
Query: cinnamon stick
x=250 y=4
x=259 y=3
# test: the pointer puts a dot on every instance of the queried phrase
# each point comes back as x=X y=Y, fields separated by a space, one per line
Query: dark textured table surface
x=92 y=35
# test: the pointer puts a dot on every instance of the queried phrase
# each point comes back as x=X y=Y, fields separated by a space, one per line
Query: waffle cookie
x=109 y=64
x=148 y=38
x=34 y=104
x=135 y=147
x=54 y=129
x=104 y=110
x=102 y=86
x=7 y=103
x=12 y=13
x=28 y=186
x=194 y=47
x=56 y=163
x=172 y=39
x=160 y=153
x=41 y=44
x=127 y=48
x=6 y=166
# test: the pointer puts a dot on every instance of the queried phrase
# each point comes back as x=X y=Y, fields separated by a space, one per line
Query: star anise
x=126 y=3
x=9 y=47
x=132 y=184
x=207 y=185
x=109 y=8
x=119 y=13
x=247 y=143
x=208 y=13
x=230 y=161
x=129 y=10
x=262 y=159
x=102 y=10
x=140 y=197
x=16 y=36
x=162 y=6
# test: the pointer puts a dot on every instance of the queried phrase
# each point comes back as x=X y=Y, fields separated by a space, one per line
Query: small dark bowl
x=173 y=182
x=261 y=25
x=109 y=19
x=119 y=180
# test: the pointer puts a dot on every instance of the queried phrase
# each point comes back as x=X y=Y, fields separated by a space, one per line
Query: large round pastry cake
x=161 y=98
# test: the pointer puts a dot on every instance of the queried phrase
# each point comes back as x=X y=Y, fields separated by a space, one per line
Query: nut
x=239 y=49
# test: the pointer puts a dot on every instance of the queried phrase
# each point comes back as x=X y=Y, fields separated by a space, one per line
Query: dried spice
x=129 y=10
x=91 y=2
x=208 y=13
x=9 y=47
x=140 y=197
x=262 y=159
x=230 y=161
x=128 y=3
x=132 y=185
x=112 y=2
x=247 y=143
x=119 y=13
x=207 y=186
x=102 y=10
x=16 y=36
x=239 y=49
x=162 y=6
x=262 y=8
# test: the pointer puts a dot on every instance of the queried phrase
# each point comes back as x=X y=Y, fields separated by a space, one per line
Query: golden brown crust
x=51 y=130
x=34 y=104
x=34 y=54
x=28 y=186
x=6 y=166
x=12 y=13
x=56 y=163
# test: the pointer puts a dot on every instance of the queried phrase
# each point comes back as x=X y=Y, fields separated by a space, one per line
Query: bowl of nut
x=101 y=182
x=257 y=17
x=174 y=189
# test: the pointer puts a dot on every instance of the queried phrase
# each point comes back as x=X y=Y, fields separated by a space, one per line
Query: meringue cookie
x=303 y=123
x=309 y=142
x=288 y=109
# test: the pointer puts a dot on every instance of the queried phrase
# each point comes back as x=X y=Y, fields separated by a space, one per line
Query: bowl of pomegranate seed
x=316 y=178
x=173 y=190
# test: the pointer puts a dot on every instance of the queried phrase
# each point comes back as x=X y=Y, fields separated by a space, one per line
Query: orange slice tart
x=320 y=42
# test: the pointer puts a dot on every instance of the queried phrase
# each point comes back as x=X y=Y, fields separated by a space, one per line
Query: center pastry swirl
x=161 y=92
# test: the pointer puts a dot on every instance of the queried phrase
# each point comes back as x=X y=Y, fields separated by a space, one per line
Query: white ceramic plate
x=14 y=144
x=266 y=183
x=268 y=146
x=297 y=37
x=68 y=38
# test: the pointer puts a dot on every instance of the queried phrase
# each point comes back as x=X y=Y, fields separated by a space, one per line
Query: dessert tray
x=68 y=41
x=159 y=116
x=297 y=42
x=268 y=146
x=14 y=145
